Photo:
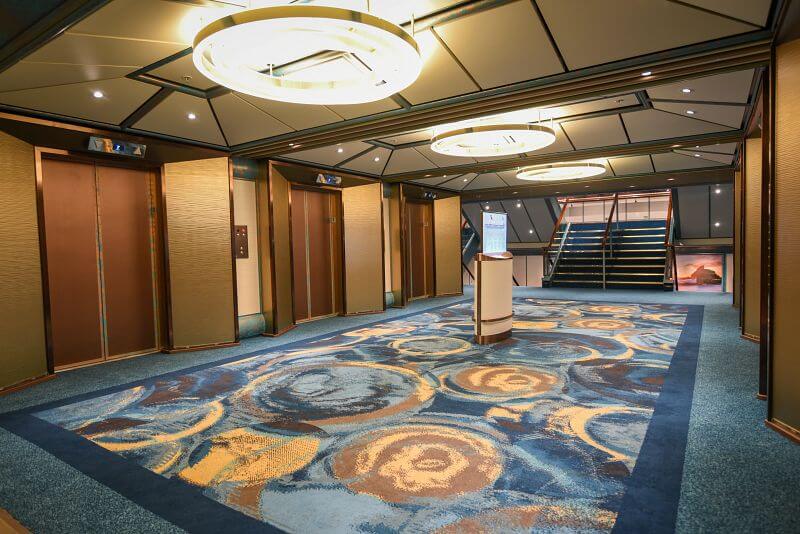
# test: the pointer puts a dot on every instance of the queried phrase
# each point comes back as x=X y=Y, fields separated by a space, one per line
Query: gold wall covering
x=363 y=249
x=751 y=315
x=283 y=314
x=785 y=387
x=21 y=309
x=198 y=219
x=395 y=253
x=447 y=241
x=737 y=237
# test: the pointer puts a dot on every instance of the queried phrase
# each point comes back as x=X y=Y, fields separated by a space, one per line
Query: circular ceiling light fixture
x=308 y=54
x=494 y=136
x=561 y=171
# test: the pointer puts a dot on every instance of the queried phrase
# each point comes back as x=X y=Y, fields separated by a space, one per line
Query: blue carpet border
x=652 y=491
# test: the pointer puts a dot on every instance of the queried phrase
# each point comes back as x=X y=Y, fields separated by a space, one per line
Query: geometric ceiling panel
x=29 y=75
x=502 y=45
x=631 y=165
x=671 y=161
x=171 y=117
x=436 y=180
x=442 y=160
x=152 y=20
x=441 y=76
x=591 y=106
x=728 y=115
x=352 y=111
x=458 y=183
x=243 y=122
x=651 y=124
x=183 y=71
x=372 y=162
x=595 y=132
x=724 y=159
x=561 y=143
x=407 y=160
x=121 y=97
x=330 y=155
x=81 y=49
x=486 y=180
x=724 y=148
x=413 y=137
x=591 y=33
x=297 y=116
x=753 y=11
x=397 y=12
x=731 y=87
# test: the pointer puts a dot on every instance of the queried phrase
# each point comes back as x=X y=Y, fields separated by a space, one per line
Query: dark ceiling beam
x=720 y=56
x=47 y=28
x=632 y=149
x=639 y=182
x=145 y=108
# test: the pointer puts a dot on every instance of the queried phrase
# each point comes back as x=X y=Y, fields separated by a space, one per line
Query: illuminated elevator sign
x=329 y=179
x=121 y=148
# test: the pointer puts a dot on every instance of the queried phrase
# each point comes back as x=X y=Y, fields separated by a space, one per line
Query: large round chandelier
x=498 y=135
x=308 y=54
x=561 y=171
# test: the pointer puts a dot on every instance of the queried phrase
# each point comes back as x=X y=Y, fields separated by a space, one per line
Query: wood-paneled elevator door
x=316 y=253
x=419 y=273
x=100 y=267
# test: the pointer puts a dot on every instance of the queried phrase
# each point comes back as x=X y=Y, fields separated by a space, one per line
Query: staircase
x=636 y=256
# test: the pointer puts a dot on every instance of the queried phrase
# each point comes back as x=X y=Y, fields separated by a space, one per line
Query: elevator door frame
x=406 y=251
x=341 y=286
x=162 y=323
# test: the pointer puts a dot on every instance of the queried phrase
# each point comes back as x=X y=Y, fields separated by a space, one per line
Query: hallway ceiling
x=479 y=54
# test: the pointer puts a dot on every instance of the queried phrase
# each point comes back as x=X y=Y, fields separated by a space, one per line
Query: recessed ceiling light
x=676 y=146
x=376 y=159
x=631 y=186
x=519 y=204
x=340 y=150
x=716 y=224
x=445 y=176
x=647 y=73
x=98 y=94
x=670 y=179
x=191 y=116
x=718 y=190
x=690 y=112
x=486 y=207
x=291 y=144
x=530 y=231
x=586 y=186
x=686 y=90
x=697 y=146
x=697 y=155
x=466 y=179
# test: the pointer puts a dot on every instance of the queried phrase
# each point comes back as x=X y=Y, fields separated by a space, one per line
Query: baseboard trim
x=373 y=312
x=196 y=348
x=761 y=396
x=456 y=294
x=26 y=384
x=279 y=332
x=751 y=337
x=785 y=430
x=493 y=338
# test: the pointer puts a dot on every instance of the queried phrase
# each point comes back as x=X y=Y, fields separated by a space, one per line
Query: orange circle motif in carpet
x=418 y=461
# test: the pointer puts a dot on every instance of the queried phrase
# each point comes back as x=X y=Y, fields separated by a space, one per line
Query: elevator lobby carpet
x=579 y=422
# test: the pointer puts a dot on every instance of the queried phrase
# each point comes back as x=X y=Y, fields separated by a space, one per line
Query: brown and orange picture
x=700 y=272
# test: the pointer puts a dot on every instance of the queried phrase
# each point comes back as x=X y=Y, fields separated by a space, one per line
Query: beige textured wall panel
x=737 y=237
x=199 y=242
x=785 y=390
x=247 y=276
x=21 y=316
x=283 y=315
x=363 y=256
x=447 y=242
x=751 y=319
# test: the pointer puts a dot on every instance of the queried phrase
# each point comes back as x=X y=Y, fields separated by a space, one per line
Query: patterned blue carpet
x=577 y=423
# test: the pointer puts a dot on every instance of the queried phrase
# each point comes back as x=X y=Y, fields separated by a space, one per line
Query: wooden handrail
x=610 y=219
x=669 y=221
x=555 y=228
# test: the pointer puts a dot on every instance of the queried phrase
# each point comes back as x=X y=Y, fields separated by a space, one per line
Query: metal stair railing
x=551 y=258
x=670 y=262
x=608 y=236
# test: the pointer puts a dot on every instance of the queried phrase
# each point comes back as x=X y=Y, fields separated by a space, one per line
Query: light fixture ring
x=525 y=137
x=549 y=172
x=386 y=56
